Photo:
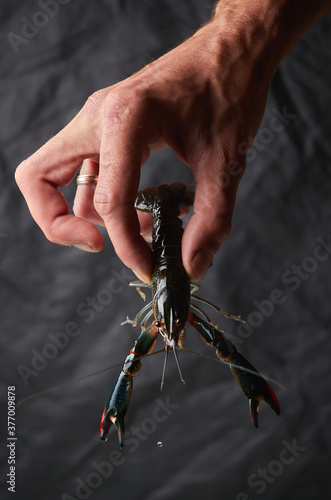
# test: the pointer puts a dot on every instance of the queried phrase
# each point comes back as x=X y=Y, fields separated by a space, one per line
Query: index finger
x=124 y=147
x=39 y=178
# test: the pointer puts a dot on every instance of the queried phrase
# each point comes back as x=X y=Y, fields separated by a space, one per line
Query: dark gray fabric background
x=210 y=448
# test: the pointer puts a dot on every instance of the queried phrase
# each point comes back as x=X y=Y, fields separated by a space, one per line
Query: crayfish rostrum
x=171 y=306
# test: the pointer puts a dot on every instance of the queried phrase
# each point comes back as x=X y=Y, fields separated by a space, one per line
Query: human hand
x=203 y=99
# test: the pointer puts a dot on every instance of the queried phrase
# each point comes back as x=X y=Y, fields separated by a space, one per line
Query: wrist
x=242 y=42
x=268 y=29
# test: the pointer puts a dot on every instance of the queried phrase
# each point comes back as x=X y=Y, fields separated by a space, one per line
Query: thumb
x=210 y=224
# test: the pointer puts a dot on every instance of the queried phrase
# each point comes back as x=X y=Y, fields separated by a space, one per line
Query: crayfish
x=171 y=304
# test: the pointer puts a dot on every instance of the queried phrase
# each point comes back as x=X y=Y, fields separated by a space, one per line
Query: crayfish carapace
x=171 y=306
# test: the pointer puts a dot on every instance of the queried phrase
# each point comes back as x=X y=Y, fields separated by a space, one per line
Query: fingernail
x=87 y=247
x=142 y=277
x=201 y=262
x=148 y=236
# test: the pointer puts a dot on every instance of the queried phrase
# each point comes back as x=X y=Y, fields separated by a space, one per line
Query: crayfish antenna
x=164 y=367
x=178 y=366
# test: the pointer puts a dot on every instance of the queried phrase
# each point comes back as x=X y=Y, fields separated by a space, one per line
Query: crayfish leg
x=137 y=317
x=217 y=308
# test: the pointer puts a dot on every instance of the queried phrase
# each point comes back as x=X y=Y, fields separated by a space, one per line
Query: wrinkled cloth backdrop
x=61 y=308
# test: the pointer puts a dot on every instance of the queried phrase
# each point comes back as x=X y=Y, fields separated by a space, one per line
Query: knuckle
x=225 y=228
x=222 y=228
x=104 y=202
x=126 y=101
x=18 y=175
x=80 y=209
x=21 y=171
x=83 y=209
x=51 y=234
x=116 y=109
x=55 y=231
x=95 y=101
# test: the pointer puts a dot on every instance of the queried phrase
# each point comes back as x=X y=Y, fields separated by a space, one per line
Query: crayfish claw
x=119 y=424
x=116 y=407
x=250 y=381
x=254 y=409
x=269 y=397
x=107 y=423
x=104 y=426
x=253 y=385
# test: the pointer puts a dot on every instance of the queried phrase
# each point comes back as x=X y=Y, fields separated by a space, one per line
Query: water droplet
x=160 y=444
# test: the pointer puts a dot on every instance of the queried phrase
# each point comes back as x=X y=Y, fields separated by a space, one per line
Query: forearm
x=275 y=24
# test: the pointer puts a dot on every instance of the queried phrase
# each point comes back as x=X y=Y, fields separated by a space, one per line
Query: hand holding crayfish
x=205 y=99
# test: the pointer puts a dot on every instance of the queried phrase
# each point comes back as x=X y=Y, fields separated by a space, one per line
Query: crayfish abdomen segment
x=171 y=284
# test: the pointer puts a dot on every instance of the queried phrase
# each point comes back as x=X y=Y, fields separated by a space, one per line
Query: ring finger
x=83 y=203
